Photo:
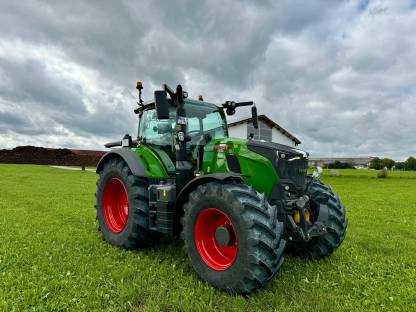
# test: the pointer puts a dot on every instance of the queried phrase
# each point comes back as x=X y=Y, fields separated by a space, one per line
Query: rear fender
x=128 y=156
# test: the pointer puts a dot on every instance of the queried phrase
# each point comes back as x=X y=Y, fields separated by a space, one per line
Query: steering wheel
x=194 y=131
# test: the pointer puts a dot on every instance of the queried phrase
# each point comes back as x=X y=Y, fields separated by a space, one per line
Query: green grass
x=52 y=256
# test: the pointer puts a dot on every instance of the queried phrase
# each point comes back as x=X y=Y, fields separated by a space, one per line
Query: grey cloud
x=31 y=82
x=337 y=74
x=32 y=89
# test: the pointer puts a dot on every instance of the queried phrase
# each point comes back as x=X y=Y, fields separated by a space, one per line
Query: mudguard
x=128 y=156
x=202 y=179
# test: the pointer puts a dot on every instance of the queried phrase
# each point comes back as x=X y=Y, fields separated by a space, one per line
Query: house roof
x=271 y=123
x=363 y=160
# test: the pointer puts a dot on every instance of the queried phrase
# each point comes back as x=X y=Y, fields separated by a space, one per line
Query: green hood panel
x=257 y=170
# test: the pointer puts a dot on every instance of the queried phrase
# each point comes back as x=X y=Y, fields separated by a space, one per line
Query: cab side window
x=214 y=125
x=155 y=131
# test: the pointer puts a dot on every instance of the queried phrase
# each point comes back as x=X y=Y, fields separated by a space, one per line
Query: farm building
x=356 y=162
x=268 y=130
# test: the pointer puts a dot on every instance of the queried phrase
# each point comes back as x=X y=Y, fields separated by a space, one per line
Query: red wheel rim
x=115 y=205
x=217 y=256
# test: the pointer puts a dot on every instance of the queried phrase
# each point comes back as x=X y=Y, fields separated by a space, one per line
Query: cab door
x=158 y=135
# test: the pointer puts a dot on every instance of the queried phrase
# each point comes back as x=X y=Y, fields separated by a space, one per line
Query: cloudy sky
x=340 y=75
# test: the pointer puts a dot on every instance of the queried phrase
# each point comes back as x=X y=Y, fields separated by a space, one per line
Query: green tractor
x=238 y=204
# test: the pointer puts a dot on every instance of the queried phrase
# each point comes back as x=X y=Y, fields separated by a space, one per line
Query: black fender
x=128 y=156
x=202 y=179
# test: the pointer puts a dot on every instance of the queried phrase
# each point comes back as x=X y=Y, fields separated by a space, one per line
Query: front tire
x=322 y=246
x=232 y=236
x=123 y=207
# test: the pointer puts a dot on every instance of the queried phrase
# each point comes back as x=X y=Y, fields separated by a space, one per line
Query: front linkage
x=301 y=220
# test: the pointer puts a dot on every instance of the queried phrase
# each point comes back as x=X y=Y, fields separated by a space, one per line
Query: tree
x=387 y=163
x=376 y=163
x=410 y=163
x=340 y=165
x=400 y=165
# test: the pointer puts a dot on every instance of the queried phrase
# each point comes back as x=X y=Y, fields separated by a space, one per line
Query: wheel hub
x=223 y=235
x=216 y=239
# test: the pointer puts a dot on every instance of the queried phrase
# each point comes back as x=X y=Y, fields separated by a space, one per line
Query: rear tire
x=254 y=249
x=323 y=246
x=123 y=207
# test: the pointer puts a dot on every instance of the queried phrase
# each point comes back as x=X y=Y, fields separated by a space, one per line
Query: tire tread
x=265 y=233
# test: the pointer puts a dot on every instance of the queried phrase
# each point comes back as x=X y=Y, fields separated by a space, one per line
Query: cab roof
x=150 y=103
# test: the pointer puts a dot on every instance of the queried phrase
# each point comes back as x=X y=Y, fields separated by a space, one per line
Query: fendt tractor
x=238 y=204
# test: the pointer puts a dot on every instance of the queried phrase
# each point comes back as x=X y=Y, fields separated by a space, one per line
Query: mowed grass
x=52 y=256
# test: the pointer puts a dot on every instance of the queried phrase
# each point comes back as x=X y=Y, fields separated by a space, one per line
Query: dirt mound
x=50 y=156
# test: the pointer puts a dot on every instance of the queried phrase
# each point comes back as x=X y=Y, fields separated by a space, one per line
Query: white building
x=356 y=162
x=268 y=130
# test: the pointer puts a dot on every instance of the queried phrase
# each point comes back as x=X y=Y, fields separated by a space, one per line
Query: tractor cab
x=204 y=122
x=181 y=127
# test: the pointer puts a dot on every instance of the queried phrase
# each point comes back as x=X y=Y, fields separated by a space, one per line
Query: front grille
x=291 y=172
x=294 y=170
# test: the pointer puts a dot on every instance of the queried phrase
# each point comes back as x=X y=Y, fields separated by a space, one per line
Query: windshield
x=202 y=118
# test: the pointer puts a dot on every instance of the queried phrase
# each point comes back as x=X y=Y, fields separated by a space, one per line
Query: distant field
x=368 y=173
x=52 y=257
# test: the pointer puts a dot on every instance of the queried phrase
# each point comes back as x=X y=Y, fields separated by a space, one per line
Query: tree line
x=380 y=163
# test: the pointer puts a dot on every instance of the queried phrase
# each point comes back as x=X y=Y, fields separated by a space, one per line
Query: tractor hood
x=265 y=148
x=290 y=163
x=262 y=164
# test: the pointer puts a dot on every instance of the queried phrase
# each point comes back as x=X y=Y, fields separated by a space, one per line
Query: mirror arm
x=172 y=94
x=254 y=116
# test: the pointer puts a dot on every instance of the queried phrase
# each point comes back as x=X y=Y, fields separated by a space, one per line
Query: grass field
x=52 y=257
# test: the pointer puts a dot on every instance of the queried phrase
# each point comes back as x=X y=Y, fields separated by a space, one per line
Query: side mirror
x=254 y=117
x=162 y=105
